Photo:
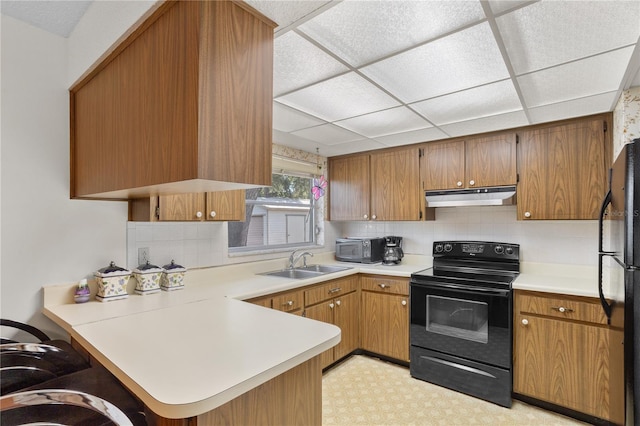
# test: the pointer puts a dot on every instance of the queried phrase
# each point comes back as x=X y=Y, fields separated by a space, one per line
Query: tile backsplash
x=570 y=242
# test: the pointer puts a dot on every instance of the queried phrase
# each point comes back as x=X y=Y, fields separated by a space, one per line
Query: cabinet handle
x=338 y=302
x=366 y=216
x=383 y=286
x=562 y=309
x=527 y=214
x=331 y=305
x=212 y=214
x=404 y=303
x=198 y=215
x=472 y=182
x=459 y=184
x=374 y=217
x=334 y=290
x=289 y=303
x=525 y=321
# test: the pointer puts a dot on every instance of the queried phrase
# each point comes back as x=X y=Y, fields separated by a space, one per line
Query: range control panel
x=476 y=249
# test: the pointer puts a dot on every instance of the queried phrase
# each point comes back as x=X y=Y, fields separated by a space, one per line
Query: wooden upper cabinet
x=562 y=171
x=181 y=207
x=183 y=103
x=226 y=205
x=212 y=206
x=474 y=163
x=377 y=186
x=349 y=188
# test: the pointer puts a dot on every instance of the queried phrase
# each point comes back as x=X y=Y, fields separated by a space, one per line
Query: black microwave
x=360 y=250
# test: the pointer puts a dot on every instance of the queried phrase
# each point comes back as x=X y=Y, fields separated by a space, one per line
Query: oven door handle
x=464 y=289
x=458 y=366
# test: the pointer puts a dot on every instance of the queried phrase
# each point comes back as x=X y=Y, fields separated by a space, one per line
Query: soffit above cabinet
x=459 y=66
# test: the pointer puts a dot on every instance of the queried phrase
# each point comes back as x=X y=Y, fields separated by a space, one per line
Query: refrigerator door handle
x=601 y=253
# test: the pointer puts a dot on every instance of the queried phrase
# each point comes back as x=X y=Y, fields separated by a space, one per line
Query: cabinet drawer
x=288 y=302
x=385 y=284
x=330 y=290
x=566 y=307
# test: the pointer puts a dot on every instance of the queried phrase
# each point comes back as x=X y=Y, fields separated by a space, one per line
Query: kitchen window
x=282 y=216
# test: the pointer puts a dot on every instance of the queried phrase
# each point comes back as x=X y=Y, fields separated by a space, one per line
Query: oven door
x=466 y=323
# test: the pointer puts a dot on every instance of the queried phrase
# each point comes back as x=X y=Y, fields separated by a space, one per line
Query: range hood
x=495 y=196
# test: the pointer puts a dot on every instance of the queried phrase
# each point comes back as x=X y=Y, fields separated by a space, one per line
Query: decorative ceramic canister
x=173 y=277
x=112 y=283
x=147 y=278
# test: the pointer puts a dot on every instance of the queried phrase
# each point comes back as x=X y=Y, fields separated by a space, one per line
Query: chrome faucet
x=293 y=258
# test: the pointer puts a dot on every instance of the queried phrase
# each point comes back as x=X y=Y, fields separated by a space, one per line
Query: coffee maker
x=393 y=253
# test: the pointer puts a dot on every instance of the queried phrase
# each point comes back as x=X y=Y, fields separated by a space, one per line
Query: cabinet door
x=181 y=207
x=346 y=315
x=385 y=324
x=288 y=302
x=562 y=171
x=396 y=193
x=491 y=161
x=442 y=166
x=322 y=312
x=564 y=363
x=226 y=205
x=349 y=189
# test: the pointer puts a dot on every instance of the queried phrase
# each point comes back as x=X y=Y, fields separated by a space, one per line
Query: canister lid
x=173 y=267
x=112 y=270
x=147 y=268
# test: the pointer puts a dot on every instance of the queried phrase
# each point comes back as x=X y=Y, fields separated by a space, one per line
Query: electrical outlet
x=143 y=255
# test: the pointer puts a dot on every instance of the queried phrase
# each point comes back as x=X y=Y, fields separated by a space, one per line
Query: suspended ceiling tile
x=297 y=63
x=285 y=13
x=573 y=108
x=548 y=33
x=487 y=124
x=591 y=76
x=341 y=97
x=351 y=147
x=328 y=134
x=385 y=122
x=491 y=99
x=500 y=6
x=282 y=138
x=362 y=31
x=415 y=136
x=288 y=119
x=465 y=59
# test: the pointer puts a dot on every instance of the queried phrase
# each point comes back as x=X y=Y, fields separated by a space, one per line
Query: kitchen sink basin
x=305 y=272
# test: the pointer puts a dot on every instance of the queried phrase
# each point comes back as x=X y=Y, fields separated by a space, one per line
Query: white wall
x=46 y=237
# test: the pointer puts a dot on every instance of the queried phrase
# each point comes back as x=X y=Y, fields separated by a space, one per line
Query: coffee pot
x=393 y=253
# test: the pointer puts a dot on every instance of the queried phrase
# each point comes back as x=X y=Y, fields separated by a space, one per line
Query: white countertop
x=186 y=352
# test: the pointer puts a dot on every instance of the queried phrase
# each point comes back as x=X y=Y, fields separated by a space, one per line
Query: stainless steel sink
x=306 y=272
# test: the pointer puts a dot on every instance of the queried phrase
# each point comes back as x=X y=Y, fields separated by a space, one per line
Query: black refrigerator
x=620 y=264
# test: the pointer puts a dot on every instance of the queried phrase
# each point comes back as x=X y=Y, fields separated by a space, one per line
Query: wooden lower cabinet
x=384 y=325
x=289 y=301
x=568 y=358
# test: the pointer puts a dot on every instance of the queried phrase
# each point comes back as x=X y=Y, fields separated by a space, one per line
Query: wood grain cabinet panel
x=378 y=186
x=569 y=362
x=226 y=205
x=385 y=324
x=562 y=171
x=212 y=206
x=183 y=103
x=385 y=284
x=443 y=165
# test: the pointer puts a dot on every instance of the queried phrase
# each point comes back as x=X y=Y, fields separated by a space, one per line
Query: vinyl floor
x=367 y=391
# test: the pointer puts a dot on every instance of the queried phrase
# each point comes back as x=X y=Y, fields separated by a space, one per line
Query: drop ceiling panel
x=548 y=33
x=351 y=147
x=288 y=119
x=328 y=134
x=285 y=13
x=500 y=6
x=491 y=99
x=363 y=31
x=416 y=136
x=385 y=122
x=341 y=97
x=573 y=108
x=465 y=59
x=592 y=76
x=297 y=63
x=487 y=124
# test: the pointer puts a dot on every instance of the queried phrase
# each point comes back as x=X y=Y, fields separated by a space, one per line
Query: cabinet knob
x=525 y=321
x=331 y=305
x=383 y=285
x=404 y=303
x=366 y=216
x=288 y=303
x=527 y=214
x=338 y=302
x=374 y=217
x=562 y=309
x=212 y=214
x=472 y=182
x=459 y=184
x=198 y=215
